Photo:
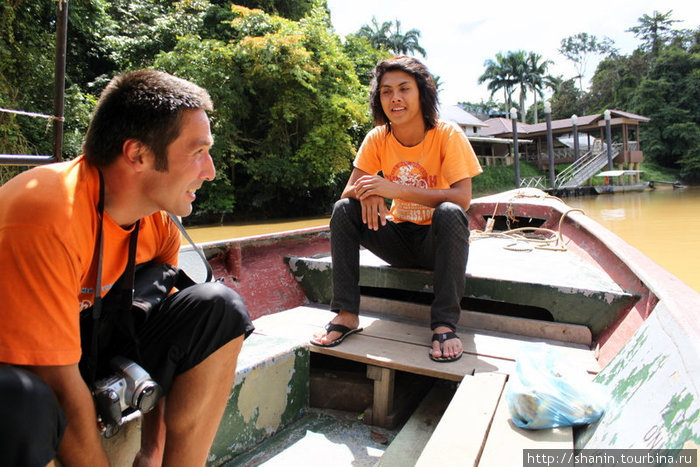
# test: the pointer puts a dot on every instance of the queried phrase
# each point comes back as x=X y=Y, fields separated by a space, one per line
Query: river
x=663 y=223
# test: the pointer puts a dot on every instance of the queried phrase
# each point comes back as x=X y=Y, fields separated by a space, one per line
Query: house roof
x=460 y=116
x=504 y=126
x=630 y=115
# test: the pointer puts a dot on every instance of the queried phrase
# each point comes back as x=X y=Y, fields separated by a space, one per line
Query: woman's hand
x=374 y=185
x=374 y=211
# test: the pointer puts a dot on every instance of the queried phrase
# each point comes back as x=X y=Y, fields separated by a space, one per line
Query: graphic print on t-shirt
x=409 y=173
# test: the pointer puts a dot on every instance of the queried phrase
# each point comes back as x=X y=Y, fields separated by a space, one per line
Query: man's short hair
x=426 y=88
x=146 y=105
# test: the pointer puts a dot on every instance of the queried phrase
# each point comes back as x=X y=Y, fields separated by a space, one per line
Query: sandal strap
x=444 y=336
x=330 y=327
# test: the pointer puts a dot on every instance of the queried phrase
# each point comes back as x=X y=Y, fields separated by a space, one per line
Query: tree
x=497 y=74
x=654 y=31
x=566 y=100
x=579 y=47
x=288 y=113
x=27 y=52
x=382 y=36
x=616 y=80
x=403 y=44
x=668 y=95
x=537 y=78
x=363 y=56
x=378 y=35
x=289 y=109
x=518 y=68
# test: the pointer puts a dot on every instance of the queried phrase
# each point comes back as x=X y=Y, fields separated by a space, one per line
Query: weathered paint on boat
x=270 y=391
x=653 y=383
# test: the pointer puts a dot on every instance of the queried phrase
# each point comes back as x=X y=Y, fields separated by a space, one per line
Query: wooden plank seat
x=387 y=345
x=570 y=289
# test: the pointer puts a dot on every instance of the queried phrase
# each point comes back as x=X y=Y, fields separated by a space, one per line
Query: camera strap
x=92 y=359
x=199 y=251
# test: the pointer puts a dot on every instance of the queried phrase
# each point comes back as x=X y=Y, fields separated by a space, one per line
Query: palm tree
x=382 y=37
x=403 y=44
x=498 y=77
x=518 y=69
x=537 y=77
x=376 y=34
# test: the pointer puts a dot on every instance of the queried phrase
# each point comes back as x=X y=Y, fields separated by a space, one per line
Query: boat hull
x=604 y=189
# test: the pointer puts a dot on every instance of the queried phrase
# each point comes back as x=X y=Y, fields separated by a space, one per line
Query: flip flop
x=330 y=327
x=441 y=338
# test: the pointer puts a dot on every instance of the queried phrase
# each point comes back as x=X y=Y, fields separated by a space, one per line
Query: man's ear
x=136 y=154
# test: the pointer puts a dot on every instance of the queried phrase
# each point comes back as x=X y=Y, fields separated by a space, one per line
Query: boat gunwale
x=662 y=284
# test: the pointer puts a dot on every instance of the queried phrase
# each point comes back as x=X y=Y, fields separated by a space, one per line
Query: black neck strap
x=128 y=272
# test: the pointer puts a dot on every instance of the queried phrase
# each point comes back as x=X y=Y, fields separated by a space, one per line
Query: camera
x=124 y=395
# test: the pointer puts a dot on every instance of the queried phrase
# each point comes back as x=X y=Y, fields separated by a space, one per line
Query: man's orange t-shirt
x=48 y=224
x=443 y=157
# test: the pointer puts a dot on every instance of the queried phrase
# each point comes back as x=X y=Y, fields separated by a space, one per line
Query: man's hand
x=374 y=211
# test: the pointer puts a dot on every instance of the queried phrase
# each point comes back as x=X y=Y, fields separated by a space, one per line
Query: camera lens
x=148 y=397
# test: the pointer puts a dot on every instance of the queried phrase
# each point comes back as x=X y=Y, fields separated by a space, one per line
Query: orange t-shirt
x=48 y=224
x=444 y=157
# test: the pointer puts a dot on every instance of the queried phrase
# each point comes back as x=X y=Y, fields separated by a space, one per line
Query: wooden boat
x=614 y=182
x=539 y=271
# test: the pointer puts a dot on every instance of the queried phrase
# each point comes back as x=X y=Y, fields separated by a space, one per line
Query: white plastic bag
x=548 y=390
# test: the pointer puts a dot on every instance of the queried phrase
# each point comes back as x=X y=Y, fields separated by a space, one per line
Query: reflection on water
x=613 y=214
x=663 y=223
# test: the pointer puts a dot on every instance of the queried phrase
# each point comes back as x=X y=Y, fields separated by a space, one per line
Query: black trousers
x=442 y=247
x=31 y=421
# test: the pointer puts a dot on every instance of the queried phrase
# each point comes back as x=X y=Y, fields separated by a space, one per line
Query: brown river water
x=663 y=223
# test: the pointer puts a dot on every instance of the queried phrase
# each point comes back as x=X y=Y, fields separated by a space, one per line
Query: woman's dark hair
x=426 y=89
x=146 y=105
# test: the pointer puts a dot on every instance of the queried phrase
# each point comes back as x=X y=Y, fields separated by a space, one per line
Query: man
x=146 y=152
x=427 y=166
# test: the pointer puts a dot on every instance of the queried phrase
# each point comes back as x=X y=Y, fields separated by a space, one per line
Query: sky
x=460 y=35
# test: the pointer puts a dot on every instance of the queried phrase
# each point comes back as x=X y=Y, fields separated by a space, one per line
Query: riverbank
x=496 y=179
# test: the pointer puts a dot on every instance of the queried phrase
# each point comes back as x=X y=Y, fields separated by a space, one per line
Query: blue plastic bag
x=548 y=390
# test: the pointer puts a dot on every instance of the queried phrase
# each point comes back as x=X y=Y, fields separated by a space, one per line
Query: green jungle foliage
x=291 y=96
x=290 y=109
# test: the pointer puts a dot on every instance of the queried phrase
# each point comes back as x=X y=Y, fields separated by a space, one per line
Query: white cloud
x=459 y=35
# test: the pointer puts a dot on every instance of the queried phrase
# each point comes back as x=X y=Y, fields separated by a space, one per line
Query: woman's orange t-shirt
x=443 y=157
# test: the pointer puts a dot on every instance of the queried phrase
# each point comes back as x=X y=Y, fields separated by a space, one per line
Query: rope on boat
x=525 y=238
x=31 y=114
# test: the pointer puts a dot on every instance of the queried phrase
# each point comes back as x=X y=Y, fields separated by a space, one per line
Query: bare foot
x=450 y=348
x=345 y=318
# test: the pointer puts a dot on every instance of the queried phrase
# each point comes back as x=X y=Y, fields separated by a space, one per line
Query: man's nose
x=208 y=171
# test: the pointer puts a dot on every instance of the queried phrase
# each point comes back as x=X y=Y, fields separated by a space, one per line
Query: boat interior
x=565 y=284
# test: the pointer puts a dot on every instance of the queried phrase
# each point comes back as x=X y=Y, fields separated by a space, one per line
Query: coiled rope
x=525 y=238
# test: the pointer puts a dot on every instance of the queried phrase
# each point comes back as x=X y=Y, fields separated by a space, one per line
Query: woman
x=427 y=166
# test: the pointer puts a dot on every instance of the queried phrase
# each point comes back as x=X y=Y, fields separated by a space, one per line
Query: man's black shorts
x=181 y=332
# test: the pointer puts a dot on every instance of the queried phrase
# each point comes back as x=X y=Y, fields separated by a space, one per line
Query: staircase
x=585 y=167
